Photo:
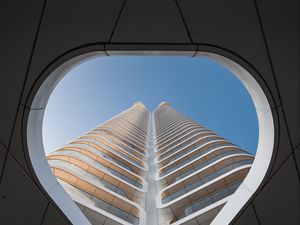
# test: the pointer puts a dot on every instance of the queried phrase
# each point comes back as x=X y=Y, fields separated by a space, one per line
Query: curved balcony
x=177 y=134
x=103 y=203
x=114 y=143
x=126 y=131
x=204 y=195
x=101 y=165
x=189 y=141
x=197 y=164
x=184 y=159
x=169 y=124
x=64 y=169
x=177 y=123
x=98 y=144
x=181 y=138
x=94 y=153
x=135 y=134
x=113 y=133
x=141 y=132
x=206 y=141
x=125 y=134
x=213 y=171
x=174 y=129
x=208 y=200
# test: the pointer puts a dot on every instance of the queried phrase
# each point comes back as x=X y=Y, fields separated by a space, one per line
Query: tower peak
x=163 y=104
x=140 y=105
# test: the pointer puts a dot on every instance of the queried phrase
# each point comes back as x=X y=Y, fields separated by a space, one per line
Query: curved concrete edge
x=202 y=211
x=265 y=142
x=138 y=190
x=100 y=211
x=44 y=173
x=184 y=128
x=196 y=132
x=233 y=206
x=88 y=136
x=162 y=206
x=182 y=124
x=187 y=146
x=160 y=178
x=35 y=141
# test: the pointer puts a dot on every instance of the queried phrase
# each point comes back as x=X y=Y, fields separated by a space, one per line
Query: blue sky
x=98 y=89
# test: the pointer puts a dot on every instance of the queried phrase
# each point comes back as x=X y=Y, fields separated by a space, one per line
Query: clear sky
x=101 y=88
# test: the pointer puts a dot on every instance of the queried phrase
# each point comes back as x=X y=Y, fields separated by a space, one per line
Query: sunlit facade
x=150 y=168
x=197 y=170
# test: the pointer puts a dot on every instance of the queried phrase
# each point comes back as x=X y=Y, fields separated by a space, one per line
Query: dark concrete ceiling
x=37 y=36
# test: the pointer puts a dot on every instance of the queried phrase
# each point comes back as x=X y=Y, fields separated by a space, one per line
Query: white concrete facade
x=150 y=168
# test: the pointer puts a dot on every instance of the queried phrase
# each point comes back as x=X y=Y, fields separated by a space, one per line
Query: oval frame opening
x=48 y=181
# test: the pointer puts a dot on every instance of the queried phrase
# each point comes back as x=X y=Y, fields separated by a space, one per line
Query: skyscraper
x=150 y=168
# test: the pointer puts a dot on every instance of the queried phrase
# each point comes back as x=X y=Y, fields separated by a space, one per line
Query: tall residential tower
x=150 y=168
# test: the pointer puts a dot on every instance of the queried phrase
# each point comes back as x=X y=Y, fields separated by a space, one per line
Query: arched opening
x=245 y=190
